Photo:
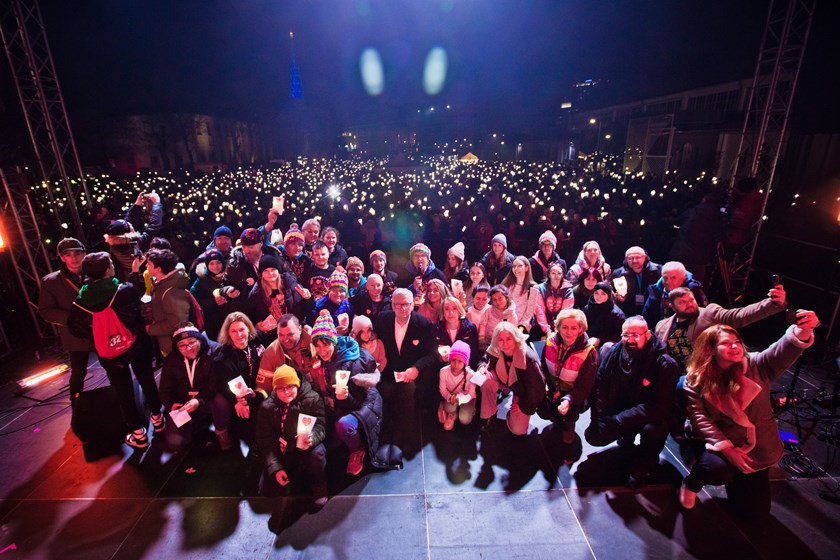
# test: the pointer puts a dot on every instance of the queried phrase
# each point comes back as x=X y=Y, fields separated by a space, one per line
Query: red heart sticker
x=190 y=471
x=645 y=382
x=415 y=342
x=307 y=421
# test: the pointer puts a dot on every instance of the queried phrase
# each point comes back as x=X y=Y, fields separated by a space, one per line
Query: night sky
x=508 y=59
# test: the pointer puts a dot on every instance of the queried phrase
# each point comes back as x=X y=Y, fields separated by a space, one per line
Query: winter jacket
x=604 y=320
x=467 y=332
x=271 y=426
x=525 y=377
x=175 y=387
x=59 y=290
x=539 y=265
x=746 y=421
x=632 y=391
x=241 y=275
x=555 y=358
x=214 y=314
x=580 y=265
x=551 y=302
x=231 y=362
x=657 y=306
x=171 y=305
x=411 y=273
x=637 y=285
x=363 y=305
x=496 y=272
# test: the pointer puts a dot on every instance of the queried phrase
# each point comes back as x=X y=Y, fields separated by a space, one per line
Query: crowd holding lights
x=596 y=192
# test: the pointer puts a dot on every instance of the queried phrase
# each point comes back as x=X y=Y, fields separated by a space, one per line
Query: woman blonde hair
x=224 y=338
x=571 y=313
x=520 y=337
x=452 y=299
x=703 y=371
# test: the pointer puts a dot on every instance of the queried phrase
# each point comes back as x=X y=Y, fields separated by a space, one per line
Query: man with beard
x=634 y=394
x=679 y=331
x=293 y=347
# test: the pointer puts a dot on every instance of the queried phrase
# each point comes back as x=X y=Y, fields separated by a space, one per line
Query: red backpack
x=110 y=336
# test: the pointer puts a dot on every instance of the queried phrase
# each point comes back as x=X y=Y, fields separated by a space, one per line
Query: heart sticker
x=645 y=382
x=307 y=421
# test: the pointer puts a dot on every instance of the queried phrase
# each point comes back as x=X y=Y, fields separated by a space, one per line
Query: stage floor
x=463 y=495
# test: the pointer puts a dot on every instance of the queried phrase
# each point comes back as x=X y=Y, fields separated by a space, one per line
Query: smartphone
x=137 y=252
x=790 y=316
x=775 y=281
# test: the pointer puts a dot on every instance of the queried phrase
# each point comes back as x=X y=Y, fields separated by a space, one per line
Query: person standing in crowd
x=638 y=273
x=584 y=287
x=555 y=295
x=187 y=385
x=569 y=364
x=603 y=317
x=501 y=309
x=59 y=290
x=364 y=334
x=292 y=255
x=288 y=454
x=729 y=407
x=591 y=259
x=335 y=303
x=271 y=297
x=222 y=242
x=432 y=305
x=497 y=260
x=379 y=265
x=658 y=305
x=207 y=291
x=101 y=291
x=477 y=277
x=420 y=269
x=353 y=403
x=125 y=242
x=337 y=254
x=545 y=257
x=371 y=300
x=311 y=230
x=316 y=275
x=355 y=275
x=410 y=349
x=455 y=268
x=455 y=387
x=511 y=366
x=634 y=395
x=239 y=356
x=455 y=326
x=523 y=292
x=171 y=301
x=242 y=271
x=475 y=314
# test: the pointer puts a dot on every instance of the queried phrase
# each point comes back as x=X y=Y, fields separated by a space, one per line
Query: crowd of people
x=303 y=343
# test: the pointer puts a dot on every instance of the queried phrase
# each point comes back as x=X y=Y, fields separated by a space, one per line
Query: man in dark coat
x=658 y=305
x=59 y=290
x=634 y=394
x=410 y=347
x=638 y=273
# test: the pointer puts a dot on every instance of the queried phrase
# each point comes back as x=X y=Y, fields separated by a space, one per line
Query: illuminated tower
x=295 y=87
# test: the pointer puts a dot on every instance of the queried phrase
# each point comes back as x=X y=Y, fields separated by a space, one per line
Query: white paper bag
x=305 y=424
x=463 y=398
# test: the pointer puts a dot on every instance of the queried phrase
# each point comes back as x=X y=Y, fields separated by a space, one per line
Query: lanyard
x=190 y=370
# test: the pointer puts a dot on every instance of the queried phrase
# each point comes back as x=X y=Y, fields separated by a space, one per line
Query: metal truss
x=55 y=156
x=25 y=245
x=766 y=119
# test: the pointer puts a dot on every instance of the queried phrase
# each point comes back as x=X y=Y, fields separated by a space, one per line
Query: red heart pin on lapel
x=645 y=382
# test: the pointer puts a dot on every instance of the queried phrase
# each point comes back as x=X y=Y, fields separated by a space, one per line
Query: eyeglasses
x=187 y=344
x=633 y=336
x=286 y=388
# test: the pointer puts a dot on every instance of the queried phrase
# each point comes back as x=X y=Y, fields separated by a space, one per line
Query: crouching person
x=352 y=399
x=188 y=389
x=457 y=390
x=290 y=434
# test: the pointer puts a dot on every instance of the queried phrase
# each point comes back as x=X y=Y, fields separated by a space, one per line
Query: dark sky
x=507 y=58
